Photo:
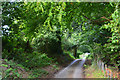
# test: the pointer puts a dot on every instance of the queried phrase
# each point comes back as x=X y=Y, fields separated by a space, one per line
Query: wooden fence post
x=106 y=70
x=103 y=69
x=118 y=75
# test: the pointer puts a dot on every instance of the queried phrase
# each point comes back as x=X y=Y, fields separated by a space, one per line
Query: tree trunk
x=75 y=51
x=59 y=42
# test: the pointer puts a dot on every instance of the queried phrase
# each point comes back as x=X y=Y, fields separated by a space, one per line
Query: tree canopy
x=55 y=27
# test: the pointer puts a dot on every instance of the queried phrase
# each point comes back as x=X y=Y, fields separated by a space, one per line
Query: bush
x=35 y=59
x=47 y=43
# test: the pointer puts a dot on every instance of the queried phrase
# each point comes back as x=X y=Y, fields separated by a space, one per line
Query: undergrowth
x=31 y=64
x=96 y=72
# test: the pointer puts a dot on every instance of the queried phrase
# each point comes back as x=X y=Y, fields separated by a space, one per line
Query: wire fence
x=108 y=73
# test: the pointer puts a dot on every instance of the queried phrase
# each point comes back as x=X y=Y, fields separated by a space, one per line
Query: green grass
x=98 y=74
x=93 y=72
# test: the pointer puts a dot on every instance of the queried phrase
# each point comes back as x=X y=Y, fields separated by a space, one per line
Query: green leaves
x=8 y=70
x=112 y=47
x=47 y=25
x=115 y=41
x=4 y=65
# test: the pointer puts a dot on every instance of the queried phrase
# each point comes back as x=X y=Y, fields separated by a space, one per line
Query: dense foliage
x=34 y=33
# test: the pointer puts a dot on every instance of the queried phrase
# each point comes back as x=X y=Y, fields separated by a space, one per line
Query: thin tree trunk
x=75 y=51
x=59 y=42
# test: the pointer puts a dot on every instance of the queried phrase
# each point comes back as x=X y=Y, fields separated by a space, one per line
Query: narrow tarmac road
x=74 y=70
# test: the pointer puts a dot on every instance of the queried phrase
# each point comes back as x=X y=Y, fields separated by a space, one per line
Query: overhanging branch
x=98 y=20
